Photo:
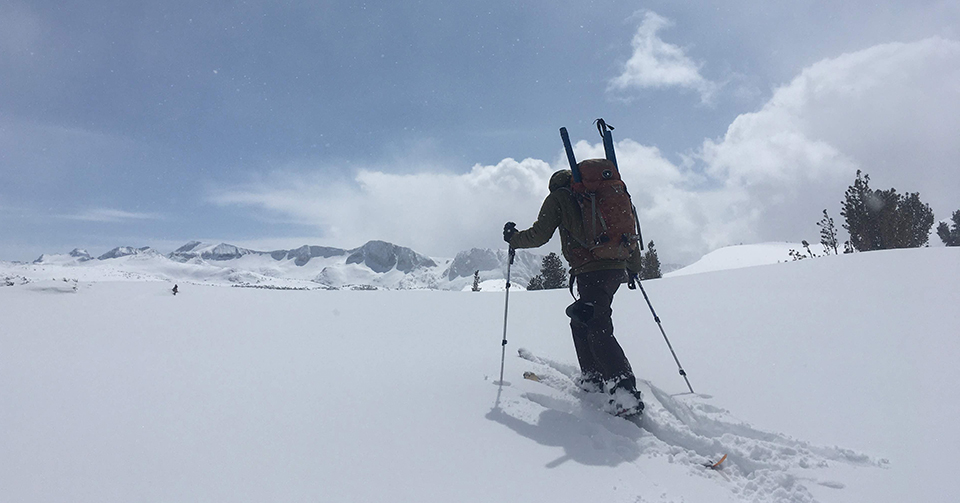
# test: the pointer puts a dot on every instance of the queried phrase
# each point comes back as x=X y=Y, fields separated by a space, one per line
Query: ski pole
x=506 y=306
x=657 y=319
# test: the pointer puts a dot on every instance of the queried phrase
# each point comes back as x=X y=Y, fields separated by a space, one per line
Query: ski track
x=760 y=466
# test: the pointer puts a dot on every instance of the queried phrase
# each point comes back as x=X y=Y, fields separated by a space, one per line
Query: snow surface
x=831 y=379
x=735 y=257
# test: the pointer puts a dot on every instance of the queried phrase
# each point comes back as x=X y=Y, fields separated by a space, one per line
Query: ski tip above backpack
x=608 y=148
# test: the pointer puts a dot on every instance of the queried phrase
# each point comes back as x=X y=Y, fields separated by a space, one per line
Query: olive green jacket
x=560 y=210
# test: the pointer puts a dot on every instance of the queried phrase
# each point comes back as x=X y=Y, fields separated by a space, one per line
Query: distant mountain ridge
x=126 y=251
x=376 y=264
x=379 y=256
x=224 y=251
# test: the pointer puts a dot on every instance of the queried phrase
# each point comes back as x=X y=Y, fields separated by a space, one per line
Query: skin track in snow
x=757 y=465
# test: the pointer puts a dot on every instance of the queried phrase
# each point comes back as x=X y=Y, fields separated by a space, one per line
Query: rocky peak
x=381 y=257
x=303 y=254
x=125 y=251
x=80 y=255
x=476 y=259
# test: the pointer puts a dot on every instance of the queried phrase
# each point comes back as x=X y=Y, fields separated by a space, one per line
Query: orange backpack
x=610 y=219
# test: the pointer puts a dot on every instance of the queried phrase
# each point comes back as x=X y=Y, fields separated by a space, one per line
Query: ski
x=533 y=376
x=715 y=466
x=551 y=382
x=560 y=376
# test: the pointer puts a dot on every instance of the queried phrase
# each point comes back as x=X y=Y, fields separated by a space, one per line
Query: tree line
x=884 y=219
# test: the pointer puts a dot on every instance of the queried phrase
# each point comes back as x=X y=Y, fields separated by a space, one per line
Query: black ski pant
x=598 y=352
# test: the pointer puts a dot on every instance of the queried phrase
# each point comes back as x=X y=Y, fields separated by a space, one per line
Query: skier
x=603 y=365
x=175 y=290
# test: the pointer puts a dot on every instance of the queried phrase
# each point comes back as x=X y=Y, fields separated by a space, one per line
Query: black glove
x=632 y=282
x=509 y=230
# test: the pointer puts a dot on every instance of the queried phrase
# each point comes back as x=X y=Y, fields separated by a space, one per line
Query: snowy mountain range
x=375 y=265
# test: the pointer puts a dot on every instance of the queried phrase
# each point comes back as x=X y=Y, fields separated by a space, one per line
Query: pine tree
x=859 y=219
x=828 y=234
x=553 y=272
x=536 y=283
x=950 y=236
x=912 y=222
x=650 y=263
x=884 y=219
x=476 y=281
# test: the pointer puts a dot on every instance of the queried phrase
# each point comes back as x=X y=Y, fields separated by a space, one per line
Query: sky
x=430 y=124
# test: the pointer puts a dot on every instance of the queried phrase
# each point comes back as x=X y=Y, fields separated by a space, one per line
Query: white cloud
x=441 y=213
x=436 y=213
x=111 y=215
x=892 y=110
x=658 y=64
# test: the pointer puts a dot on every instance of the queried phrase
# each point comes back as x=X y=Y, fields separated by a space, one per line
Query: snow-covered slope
x=831 y=379
x=735 y=257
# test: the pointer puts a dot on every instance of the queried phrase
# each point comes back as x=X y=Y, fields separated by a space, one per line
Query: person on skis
x=603 y=365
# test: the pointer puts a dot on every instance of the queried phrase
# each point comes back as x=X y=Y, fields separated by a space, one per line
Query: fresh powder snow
x=830 y=379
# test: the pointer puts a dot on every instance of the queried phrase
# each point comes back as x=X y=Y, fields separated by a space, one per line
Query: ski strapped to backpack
x=609 y=217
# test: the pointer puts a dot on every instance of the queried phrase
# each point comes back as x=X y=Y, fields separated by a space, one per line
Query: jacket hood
x=560 y=179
